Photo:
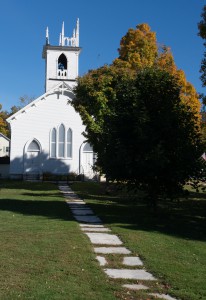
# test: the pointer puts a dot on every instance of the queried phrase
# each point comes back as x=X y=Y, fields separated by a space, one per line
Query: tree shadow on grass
x=50 y=209
x=26 y=185
x=50 y=195
x=185 y=218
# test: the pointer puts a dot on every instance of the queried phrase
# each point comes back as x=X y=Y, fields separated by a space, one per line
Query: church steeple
x=62 y=60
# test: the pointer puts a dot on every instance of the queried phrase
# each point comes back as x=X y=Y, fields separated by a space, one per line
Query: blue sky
x=102 y=24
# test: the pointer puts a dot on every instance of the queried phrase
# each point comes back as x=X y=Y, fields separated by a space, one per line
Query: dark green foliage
x=143 y=134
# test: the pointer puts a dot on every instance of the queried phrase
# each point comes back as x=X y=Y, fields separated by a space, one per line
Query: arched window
x=61 y=141
x=69 y=143
x=33 y=147
x=62 y=62
x=53 y=142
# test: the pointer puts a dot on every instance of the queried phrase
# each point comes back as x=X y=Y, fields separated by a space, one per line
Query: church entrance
x=87 y=161
x=32 y=158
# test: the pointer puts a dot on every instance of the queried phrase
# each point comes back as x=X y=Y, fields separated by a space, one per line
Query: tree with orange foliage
x=139 y=49
x=4 y=128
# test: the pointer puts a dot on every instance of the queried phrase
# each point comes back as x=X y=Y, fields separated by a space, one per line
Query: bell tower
x=61 y=62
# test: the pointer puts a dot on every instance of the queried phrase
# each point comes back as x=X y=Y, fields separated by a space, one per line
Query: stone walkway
x=105 y=242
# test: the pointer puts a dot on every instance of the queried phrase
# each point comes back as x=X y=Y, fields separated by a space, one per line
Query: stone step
x=102 y=260
x=135 y=286
x=85 y=229
x=88 y=219
x=82 y=212
x=104 y=239
x=132 y=261
x=112 y=250
x=129 y=274
x=162 y=296
x=91 y=225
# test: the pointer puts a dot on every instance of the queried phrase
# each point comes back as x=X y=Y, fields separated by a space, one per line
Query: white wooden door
x=88 y=161
x=88 y=164
x=32 y=162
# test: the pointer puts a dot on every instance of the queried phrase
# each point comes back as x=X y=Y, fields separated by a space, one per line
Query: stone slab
x=69 y=202
x=91 y=225
x=129 y=274
x=135 y=286
x=88 y=219
x=79 y=208
x=104 y=239
x=102 y=260
x=95 y=229
x=79 y=205
x=70 y=194
x=132 y=261
x=74 y=200
x=162 y=296
x=82 y=212
x=112 y=250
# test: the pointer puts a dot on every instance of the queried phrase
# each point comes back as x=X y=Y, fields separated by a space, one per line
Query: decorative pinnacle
x=47 y=35
x=70 y=41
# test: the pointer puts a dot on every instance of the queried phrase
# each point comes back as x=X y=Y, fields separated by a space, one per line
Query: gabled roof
x=1 y=134
x=61 y=87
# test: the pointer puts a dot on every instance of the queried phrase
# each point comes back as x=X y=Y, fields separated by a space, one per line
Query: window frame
x=53 y=143
x=61 y=141
x=64 y=139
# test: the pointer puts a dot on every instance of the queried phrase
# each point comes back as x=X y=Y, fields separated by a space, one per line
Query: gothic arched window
x=53 y=142
x=69 y=143
x=61 y=141
x=33 y=147
x=62 y=62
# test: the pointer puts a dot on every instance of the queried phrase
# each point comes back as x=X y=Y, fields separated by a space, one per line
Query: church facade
x=46 y=135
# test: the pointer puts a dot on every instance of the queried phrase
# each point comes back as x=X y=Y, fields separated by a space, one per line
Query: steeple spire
x=47 y=36
x=63 y=33
x=77 y=33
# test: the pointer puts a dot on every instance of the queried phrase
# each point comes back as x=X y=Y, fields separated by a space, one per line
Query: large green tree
x=140 y=128
x=142 y=117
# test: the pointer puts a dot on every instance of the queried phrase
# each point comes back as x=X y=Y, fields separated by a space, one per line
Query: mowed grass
x=43 y=253
x=171 y=241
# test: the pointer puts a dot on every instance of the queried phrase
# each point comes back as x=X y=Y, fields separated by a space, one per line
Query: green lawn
x=43 y=253
x=170 y=241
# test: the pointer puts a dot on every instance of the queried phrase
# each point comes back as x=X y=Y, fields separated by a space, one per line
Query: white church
x=46 y=135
